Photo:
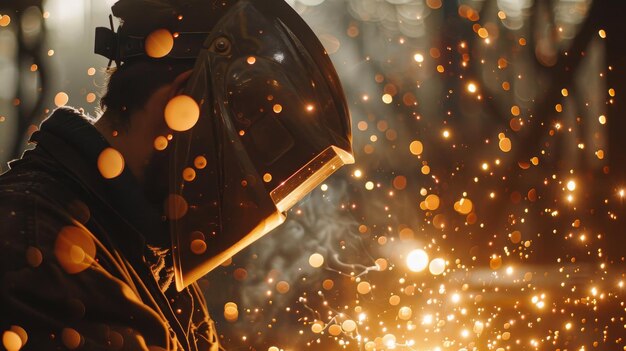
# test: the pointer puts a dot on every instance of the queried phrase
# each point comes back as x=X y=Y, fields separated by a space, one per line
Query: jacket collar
x=71 y=139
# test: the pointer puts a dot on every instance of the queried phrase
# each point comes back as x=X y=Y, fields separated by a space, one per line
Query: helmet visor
x=273 y=124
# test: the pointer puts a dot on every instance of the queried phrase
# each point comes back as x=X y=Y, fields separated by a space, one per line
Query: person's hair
x=130 y=86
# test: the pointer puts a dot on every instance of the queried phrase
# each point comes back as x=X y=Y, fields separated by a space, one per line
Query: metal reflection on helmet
x=274 y=124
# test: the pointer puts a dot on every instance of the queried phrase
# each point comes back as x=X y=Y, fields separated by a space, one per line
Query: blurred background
x=485 y=210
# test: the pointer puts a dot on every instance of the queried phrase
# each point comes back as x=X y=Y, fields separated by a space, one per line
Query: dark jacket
x=84 y=262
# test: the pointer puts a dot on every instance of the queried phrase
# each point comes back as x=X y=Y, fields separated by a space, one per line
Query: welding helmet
x=262 y=121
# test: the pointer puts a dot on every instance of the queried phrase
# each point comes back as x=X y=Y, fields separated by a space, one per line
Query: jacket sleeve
x=57 y=287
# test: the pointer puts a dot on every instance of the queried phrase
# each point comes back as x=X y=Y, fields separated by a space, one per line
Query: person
x=218 y=117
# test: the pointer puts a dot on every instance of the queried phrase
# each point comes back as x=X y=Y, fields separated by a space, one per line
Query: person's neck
x=134 y=139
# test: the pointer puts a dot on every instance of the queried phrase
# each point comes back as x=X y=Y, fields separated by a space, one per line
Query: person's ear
x=177 y=86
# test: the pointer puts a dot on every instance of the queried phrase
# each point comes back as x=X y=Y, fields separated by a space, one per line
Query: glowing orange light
x=182 y=113
x=159 y=43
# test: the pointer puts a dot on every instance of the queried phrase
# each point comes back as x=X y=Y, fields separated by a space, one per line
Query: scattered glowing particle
x=61 y=99
x=334 y=330
x=478 y=327
x=427 y=319
x=34 y=257
x=267 y=177
x=515 y=110
x=5 y=20
x=456 y=297
x=417 y=260
x=389 y=340
x=328 y=284
x=505 y=144
x=558 y=108
x=10 y=339
x=602 y=33
x=317 y=327
x=432 y=202
x=189 y=174
x=472 y=88
x=602 y=119
x=176 y=207
x=200 y=162
x=437 y=266
x=363 y=288
x=71 y=338
x=278 y=108
x=416 y=147
x=74 y=249
x=91 y=97
x=446 y=133
x=369 y=185
x=464 y=206
x=282 y=287
x=110 y=163
x=418 y=58
x=251 y=60
x=483 y=33
x=440 y=69
x=405 y=313
x=495 y=262
x=394 y=300
x=502 y=63
x=600 y=154
x=316 y=260
x=381 y=264
x=182 y=113
x=425 y=169
x=231 y=312
x=571 y=185
x=516 y=237
x=434 y=4
x=91 y=71
x=387 y=98
x=399 y=182
x=159 y=43
x=348 y=326
x=564 y=92
x=50 y=52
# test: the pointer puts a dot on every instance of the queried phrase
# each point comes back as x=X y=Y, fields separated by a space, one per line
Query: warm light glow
x=159 y=43
x=417 y=260
x=182 y=113
x=472 y=88
x=571 y=185
x=61 y=99
x=110 y=163
x=316 y=260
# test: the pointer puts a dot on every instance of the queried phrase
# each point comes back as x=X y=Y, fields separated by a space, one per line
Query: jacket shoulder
x=34 y=207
